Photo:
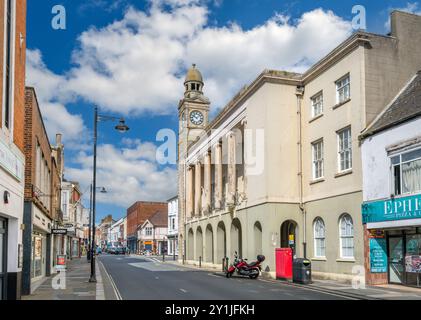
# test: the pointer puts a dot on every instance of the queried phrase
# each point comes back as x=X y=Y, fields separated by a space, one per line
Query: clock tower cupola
x=193 y=108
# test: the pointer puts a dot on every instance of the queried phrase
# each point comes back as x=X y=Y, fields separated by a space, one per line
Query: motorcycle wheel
x=228 y=275
x=254 y=276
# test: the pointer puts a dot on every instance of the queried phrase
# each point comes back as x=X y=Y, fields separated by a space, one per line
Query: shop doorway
x=396 y=260
x=404 y=257
x=3 y=258
x=38 y=256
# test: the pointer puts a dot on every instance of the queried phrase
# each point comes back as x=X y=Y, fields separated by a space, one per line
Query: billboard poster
x=378 y=255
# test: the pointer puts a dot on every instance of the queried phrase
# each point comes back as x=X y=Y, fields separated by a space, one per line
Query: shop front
x=393 y=242
x=41 y=245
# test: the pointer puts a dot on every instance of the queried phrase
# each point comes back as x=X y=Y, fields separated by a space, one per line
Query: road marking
x=183 y=290
x=116 y=292
x=313 y=289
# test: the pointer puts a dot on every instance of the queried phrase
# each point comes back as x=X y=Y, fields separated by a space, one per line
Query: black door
x=3 y=258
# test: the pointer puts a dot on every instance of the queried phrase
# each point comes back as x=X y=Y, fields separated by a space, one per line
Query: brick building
x=137 y=214
x=42 y=196
x=12 y=159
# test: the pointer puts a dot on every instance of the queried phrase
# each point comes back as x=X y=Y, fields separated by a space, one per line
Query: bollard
x=184 y=258
x=163 y=256
x=200 y=262
x=223 y=264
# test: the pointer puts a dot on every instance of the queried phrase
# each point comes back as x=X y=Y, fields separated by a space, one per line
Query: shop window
x=406 y=172
x=346 y=236
x=319 y=238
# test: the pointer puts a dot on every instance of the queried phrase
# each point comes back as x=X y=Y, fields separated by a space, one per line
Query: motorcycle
x=242 y=268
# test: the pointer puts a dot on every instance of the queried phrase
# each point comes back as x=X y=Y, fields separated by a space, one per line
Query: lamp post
x=122 y=127
x=90 y=253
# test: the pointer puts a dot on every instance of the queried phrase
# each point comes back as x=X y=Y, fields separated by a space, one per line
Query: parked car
x=111 y=250
x=119 y=250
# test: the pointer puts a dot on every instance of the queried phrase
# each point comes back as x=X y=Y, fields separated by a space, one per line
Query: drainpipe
x=299 y=93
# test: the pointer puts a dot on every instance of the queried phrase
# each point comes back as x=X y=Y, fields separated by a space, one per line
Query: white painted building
x=72 y=218
x=116 y=234
x=391 y=157
x=152 y=234
x=173 y=226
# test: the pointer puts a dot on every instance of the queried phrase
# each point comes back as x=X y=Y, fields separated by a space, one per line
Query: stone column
x=218 y=175
x=207 y=182
x=189 y=191
x=197 y=189
x=232 y=174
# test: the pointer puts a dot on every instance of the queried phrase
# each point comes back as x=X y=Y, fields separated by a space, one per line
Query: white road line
x=116 y=292
x=183 y=290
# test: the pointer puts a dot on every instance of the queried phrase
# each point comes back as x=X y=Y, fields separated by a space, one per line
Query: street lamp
x=103 y=190
x=122 y=127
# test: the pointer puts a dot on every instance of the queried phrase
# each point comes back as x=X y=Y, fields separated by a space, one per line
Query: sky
x=129 y=57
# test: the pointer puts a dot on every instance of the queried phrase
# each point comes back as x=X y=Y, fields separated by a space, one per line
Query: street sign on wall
x=59 y=231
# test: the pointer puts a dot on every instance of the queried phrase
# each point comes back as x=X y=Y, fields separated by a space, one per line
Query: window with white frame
x=344 y=149
x=343 y=91
x=148 y=231
x=317 y=104
x=317 y=148
x=319 y=238
x=346 y=236
x=406 y=172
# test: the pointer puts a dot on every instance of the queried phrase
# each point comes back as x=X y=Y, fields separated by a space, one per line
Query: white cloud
x=128 y=174
x=52 y=94
x=137 y=64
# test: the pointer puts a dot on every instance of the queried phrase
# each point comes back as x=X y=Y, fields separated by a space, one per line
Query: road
x=145 y=278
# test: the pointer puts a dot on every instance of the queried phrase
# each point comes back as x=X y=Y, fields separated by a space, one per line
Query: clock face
x=196 y=117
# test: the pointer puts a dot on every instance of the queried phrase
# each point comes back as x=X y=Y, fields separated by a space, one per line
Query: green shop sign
x=402 y=208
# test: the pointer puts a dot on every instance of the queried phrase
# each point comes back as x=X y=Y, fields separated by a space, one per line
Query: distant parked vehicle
x=111 y=250
x=119 y=250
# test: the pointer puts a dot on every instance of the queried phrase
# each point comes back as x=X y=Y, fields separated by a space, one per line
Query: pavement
x=73 y=284
x=149 y=278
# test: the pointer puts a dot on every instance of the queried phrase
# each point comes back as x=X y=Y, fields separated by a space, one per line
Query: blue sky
x=129 y=57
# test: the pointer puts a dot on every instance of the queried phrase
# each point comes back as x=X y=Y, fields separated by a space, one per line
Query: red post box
x=283 y=263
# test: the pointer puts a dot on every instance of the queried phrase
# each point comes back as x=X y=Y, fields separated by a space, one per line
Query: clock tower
x=193 y=112
x=193 y=108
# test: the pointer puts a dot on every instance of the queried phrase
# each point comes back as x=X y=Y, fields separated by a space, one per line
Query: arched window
x=346 y=235
x=319 y=238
